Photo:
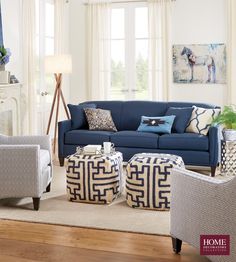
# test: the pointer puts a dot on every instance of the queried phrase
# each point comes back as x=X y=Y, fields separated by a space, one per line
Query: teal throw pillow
x=157 y=124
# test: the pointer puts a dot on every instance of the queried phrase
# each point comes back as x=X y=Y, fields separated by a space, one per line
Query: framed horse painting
x=204 y=64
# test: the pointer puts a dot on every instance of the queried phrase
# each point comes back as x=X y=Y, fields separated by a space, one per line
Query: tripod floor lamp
x=57 y=65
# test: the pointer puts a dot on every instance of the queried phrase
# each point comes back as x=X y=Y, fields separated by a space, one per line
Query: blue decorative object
x=158 y=124
x=5 y=54
x=195 y=149
x=182 y=118
x=78 y=116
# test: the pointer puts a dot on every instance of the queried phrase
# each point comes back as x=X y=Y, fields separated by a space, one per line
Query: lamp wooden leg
x=56 y=120
x=52 y=109
x=57 y=95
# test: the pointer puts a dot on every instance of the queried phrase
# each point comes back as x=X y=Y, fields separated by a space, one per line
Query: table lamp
x=57 y=65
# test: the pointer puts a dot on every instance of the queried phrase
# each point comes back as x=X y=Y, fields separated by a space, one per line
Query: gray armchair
x=25 y=167
x=202 y=205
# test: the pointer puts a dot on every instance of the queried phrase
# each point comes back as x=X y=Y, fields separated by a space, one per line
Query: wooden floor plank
x=96 y=245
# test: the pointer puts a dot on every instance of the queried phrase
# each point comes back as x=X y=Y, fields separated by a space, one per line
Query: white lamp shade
x=58 y=64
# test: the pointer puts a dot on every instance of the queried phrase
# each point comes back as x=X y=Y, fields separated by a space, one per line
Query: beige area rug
x=56 y=209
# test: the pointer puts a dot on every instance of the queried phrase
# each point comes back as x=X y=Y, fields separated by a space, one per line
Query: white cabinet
x=10 y=109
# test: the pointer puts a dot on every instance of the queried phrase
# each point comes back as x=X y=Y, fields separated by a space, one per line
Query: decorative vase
x=229 y=134
x=2 y=67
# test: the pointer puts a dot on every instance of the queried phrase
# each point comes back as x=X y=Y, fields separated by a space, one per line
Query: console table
x=10 y=109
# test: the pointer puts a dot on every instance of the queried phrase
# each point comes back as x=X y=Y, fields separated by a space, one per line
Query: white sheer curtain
x=98 y=44
x=61 y=42
x=29 y=67
x=60 y=27
x=231 y=52
x=159 y=48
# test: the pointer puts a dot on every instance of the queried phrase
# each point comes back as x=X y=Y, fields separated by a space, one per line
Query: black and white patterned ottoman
x=94 y=178
x=148 y=180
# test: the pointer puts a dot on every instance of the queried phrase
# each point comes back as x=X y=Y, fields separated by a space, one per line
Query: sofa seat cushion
x=44 y=158
x=85 y=137
x=185 y=141
x=134 y=139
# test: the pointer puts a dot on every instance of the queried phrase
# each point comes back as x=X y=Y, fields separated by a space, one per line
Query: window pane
x=118 y=52
x=141 y=49
x=118 y=90
x=49 y=19
x=141 y=65
x=49 y=46
x=117 y=23
x=141 y=22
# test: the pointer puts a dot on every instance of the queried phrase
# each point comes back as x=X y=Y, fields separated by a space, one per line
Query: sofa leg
x=36 y=203
x=213 y=171
x=61 y=160
x=176 y=243
x=48 y=189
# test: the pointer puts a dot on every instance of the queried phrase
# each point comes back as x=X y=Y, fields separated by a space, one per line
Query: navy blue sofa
x=195 y=149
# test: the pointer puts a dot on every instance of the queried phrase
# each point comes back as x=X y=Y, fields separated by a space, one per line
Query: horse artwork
x=199 y=63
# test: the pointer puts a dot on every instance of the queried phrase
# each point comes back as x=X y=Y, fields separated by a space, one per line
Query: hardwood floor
x=24 y=242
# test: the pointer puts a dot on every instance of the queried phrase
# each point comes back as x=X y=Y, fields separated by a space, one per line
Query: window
x=44 y=47
x=129 y=52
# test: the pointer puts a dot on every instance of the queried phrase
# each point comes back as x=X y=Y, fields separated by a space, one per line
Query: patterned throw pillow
x=158 y=124
x=201 y=120
x=99 y=119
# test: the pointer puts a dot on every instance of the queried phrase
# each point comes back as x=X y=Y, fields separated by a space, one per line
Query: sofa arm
x=197 y=205
x=63 y=127
x=20 y=166
x=43 y=141
x=214 y=145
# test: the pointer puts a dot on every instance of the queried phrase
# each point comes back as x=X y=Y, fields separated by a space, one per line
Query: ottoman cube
x=148 y=180
x=94 y=178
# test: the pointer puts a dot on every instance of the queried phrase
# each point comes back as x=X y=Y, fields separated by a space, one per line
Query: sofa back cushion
x=127 y=114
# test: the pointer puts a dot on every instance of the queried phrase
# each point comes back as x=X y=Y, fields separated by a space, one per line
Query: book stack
x=92 y=149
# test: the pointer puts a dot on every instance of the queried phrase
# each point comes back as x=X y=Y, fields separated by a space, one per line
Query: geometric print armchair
x=202 y=205
x=25 y=167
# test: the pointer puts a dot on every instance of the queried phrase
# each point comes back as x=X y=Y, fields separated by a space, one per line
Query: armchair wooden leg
x=61 y=160
x=213 y=171
x=48 y=189
x=176 y=243
x=36 y=203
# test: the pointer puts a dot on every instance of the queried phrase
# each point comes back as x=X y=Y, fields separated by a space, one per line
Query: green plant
x=227 y=117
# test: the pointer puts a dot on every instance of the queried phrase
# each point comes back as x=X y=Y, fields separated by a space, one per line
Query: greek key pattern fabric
x=148 y=180
x=99 y=119
x=201 y=120
x=94 y=178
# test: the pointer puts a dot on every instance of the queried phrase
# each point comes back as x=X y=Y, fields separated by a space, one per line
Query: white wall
x=193 y=22
x=11 y=19
x=78 y=91
x=199 y=22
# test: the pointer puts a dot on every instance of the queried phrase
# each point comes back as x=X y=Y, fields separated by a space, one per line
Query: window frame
x=130 y=48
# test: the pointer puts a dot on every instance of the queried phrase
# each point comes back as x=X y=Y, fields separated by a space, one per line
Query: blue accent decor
x=195 y=149
x=158 y=124
x=78 y=116
x=183 y=116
